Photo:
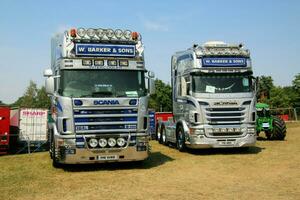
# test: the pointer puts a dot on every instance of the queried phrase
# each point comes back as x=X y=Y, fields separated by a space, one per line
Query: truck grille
x=104 y=120
x=220 y=116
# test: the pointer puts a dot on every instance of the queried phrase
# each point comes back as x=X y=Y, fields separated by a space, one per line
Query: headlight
x=93 y=142
x=121 y=142
x=91 y=32
x=118 y=33
x=102 y=142
x=100 y=32
x=81 y=32
x=112 y=142
x=109 y=33
x=127 y=34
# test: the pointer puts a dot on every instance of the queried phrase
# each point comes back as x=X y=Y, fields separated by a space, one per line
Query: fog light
x=121 y=142
x=251 y=130
x=230 y=130
x=209 y=130
x=216 y=130
x=102 y=142
x=93 y=142
x=243 y=129
x=112 y=142
x=237 y=130
x=223 y=130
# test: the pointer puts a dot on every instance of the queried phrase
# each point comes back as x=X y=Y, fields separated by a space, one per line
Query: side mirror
x=151 y=74
x=48 y=72
x=49 y=85
x=151 y=84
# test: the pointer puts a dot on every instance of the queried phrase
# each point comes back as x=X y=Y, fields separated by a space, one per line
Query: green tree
x=278 y=98
x=296 y=90
x=162 y=99
x=33 y=98
x=42 y=99
x=265 y=85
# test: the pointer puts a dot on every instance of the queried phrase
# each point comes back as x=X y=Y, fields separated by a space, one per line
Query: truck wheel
x=163 y=135
x=156 y=132
x=279 y=129
x=55 y=162
x=158 y=135
x=180 y=139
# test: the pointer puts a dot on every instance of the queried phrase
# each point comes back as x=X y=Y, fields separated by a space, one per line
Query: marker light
x=73 y=32
x=127 y=34
x=99 y=62
x=87 y=62
x=118 y=33
x=134 y=35
x=102 y=142
x=123 y=63
x=81 y=32
x=121 y=142
x=109 y=33
x=100 y=32
x=112 y=142
x=112 y=63
x=91 y=32
x=93 y=142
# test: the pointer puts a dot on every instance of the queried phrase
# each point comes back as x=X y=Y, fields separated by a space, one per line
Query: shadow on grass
x=155 y=159
x=226 y=151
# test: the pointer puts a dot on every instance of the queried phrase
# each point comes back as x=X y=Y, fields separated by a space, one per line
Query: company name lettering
x=106 y=102
x=105 y=50
x=33 y=113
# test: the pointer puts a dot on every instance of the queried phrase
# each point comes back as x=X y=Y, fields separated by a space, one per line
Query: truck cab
x=213 y=97
x=99 y=89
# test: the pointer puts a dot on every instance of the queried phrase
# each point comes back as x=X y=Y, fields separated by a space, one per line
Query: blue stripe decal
x=58 y=106
x=106 y=119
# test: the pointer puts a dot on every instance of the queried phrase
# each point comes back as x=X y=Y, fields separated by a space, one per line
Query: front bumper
x=69 y=153
x=203 y=142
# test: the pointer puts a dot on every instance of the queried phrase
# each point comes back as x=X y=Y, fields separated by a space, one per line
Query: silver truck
x=99 y=89
x=213 y=98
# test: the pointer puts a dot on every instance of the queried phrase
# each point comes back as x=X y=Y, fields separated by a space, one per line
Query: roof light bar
x=104 y=34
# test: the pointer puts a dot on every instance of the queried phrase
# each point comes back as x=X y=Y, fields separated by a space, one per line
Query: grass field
x=270 y=170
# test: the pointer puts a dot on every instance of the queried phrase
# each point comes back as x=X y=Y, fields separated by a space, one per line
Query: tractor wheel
x=279 y=129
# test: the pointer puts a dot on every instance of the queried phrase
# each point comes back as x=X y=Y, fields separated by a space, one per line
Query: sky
x=269 y=28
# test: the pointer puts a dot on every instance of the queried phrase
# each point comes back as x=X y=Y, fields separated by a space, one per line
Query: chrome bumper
x=203 y=142
x=68 y=153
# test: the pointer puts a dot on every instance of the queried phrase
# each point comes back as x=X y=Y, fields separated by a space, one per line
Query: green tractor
x=274 y=127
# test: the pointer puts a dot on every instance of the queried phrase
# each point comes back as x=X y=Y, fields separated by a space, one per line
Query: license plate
x=226 y=143
x=107 y=157
x=266 y=125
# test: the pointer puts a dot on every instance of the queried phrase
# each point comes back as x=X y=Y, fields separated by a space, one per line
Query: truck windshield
x=102 y=83
x=221 y=83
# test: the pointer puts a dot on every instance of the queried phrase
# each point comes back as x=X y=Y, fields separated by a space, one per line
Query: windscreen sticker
x=131 y=93
x=210 y=89
x=245 y=82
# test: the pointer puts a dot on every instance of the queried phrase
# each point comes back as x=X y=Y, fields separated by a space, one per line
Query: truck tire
x=180 y=139
x=156 y=132
x=279 y=129
x=163 y=135
x=55 y=162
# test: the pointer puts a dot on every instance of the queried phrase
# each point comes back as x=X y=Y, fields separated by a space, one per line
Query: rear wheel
x=180 y=139
x=279 y=129
x=163 y=136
